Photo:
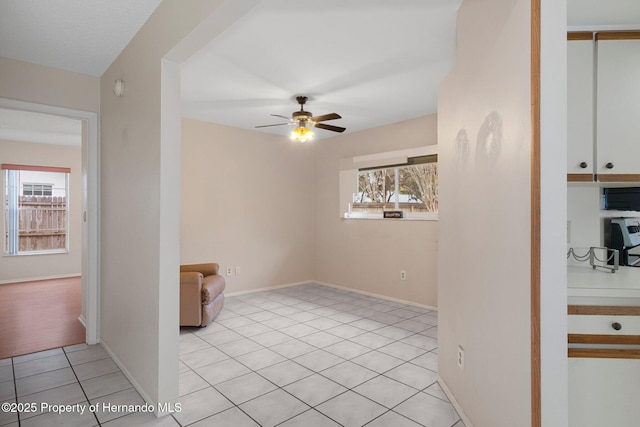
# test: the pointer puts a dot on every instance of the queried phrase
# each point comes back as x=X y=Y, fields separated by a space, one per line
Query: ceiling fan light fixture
x=302 y=134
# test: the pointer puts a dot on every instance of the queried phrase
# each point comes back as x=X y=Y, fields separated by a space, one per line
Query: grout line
x=80 y=384
x=15 y=387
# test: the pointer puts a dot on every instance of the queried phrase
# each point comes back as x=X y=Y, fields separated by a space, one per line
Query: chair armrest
x=191 y=286
x=190 y=298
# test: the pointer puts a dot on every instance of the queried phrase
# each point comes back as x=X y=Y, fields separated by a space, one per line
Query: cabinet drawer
x=604 y=325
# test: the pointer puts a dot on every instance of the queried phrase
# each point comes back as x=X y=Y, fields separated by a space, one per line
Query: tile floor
x=308 y=355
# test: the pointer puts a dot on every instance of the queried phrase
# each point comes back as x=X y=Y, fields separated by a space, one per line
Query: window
x=36 y=210
x=29 y=189
x=404 y=182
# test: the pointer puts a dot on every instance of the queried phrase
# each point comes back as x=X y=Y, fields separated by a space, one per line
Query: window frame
x=7 y=225
x=349 y=169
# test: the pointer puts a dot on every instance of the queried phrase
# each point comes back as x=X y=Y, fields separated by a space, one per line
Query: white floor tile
x=378 y=362
x=222 y=371
x=90 y=354
x=106 y=384
x=385 y=391
x=349 y=374
x=273 y=408
x=318 y=360
x=401 y=350
x=293 y=348
x=245 y=388
x=347 y=349
x=311 y=418
x=260 y=359
x=116 y=405
x=428 y=410
x=233 y=417
x=315 y=389
x=413 y=376
x=284 y=373
x=189 y=382
x=392 y=419
x=203 y=357
x=95 y=369
x=45 y=381
x=351 y=409
x=38 y=366
x=200 y=405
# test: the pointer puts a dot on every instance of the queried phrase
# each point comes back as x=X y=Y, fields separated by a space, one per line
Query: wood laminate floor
x=40 y=315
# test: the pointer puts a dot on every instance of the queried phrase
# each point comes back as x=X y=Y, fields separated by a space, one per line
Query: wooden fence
x=42 y=223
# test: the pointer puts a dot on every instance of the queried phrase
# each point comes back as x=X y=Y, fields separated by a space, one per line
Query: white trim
x=371 y=294
x=90 y=205
x=35 y=279
x=130 y=377
x=268 y=288
x=82 y=320
x=423 y=216
x=344 y=288
x=454 y=402
x=596 y=28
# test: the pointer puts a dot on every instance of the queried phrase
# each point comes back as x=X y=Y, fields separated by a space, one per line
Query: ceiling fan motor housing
x=301 y=116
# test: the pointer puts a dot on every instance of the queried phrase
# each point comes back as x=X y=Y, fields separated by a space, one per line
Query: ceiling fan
x=303 y=119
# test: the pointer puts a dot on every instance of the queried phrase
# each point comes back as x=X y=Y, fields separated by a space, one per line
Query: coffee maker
x=623 y=234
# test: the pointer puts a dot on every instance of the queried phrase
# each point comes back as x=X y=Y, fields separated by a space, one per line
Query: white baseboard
x=454 y=402
x=268 y=288
x=130 y=377
x=34 y=279
x=344 y=288
x=371 y=294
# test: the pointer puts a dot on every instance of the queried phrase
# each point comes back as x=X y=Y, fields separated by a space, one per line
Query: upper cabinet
x=580 y=107
x=618 y=107
x=603 y=106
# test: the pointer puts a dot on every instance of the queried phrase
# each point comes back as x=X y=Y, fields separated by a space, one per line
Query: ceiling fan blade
x=277 y=124
x=329 y=127
x=281 y=116
x=330 y=116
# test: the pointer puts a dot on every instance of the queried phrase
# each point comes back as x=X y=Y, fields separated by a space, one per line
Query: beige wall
x=367 y=255
x=140 y=169
x=27 y=267
x=484 y=114
x=49 y=86
x=246 y=202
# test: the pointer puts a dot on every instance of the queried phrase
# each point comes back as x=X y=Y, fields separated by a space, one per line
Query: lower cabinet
x=604 y=366
x=604 y=392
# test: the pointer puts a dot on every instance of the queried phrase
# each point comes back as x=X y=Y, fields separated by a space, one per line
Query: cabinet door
x=580 y=89
x=604 y=392
x=618 y=110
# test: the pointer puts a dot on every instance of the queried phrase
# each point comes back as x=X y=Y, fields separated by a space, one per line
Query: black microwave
x=622 y=199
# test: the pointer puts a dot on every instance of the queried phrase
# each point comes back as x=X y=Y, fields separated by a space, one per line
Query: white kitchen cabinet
x=580 y=109
x=604 y=347
x=604 y=392
x=618 y=107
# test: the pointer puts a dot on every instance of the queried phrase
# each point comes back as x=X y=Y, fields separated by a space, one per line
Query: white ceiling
x=83 y=36
x=372 y=61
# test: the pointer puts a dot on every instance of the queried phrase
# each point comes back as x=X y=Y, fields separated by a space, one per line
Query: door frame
x=90 y=207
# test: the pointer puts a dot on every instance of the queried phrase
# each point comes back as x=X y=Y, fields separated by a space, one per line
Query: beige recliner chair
x=201 y=294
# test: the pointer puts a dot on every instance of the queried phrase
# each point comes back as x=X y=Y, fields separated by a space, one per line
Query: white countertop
x=619 y=288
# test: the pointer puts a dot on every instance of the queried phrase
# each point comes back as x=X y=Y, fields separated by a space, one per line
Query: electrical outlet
x=229 y=271
x=403 y=275
x=461 y=358
x=237 y=270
